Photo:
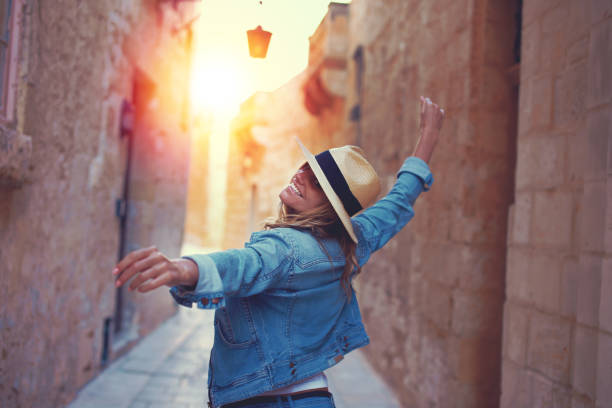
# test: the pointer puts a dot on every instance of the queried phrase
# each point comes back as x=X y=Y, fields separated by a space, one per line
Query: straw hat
x=347 y=178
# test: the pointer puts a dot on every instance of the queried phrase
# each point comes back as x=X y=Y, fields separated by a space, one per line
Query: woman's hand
x=432 y=117
x=152 y=269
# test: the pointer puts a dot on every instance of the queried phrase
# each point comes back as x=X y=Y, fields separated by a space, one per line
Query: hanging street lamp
x=259 y=39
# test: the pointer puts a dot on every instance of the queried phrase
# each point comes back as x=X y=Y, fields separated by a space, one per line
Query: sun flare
x=217 y=85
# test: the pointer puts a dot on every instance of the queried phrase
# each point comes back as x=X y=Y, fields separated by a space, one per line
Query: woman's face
x=303 y=192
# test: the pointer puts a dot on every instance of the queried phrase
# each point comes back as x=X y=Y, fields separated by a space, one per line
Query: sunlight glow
x=217 y=85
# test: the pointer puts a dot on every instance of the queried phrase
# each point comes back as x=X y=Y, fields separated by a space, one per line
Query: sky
x=223 y=72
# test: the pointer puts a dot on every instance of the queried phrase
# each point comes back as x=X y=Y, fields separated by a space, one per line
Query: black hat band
x=338 y=182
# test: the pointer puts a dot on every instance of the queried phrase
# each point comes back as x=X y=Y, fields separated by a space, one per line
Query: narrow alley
x=151 y=126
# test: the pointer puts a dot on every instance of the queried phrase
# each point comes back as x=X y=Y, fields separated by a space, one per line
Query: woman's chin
x=288 y=200
x=287 y=197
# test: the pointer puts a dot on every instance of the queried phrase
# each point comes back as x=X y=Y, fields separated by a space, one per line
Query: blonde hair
x=322 y=222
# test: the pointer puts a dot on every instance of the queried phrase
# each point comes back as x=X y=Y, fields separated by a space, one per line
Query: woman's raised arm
x=432 y=117
x=379 y=223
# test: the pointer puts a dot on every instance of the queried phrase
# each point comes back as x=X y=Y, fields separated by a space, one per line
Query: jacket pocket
x=233 y=364
x=225 y=333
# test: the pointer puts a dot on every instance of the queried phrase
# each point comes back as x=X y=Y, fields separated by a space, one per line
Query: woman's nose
x=302 y=176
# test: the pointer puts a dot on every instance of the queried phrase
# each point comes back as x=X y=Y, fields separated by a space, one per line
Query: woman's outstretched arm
x=207 y=279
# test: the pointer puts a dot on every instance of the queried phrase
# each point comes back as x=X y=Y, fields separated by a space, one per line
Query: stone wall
x=442 y=276
x=59 y=235
x=558 y=314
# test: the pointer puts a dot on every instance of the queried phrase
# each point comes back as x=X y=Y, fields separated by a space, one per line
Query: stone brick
x=570 y=95
x=496 y=89
x=576 y=154
x=584 y=363
x=516 y=324
x=549 y=346
x=521 y=218
x=458 y=51
x=580 y=401
x=600 y=65
x=608 y=220
x=444 y=270
x=569 y=288
x=460 y=14
x=509 y=233
x=604 y=370
x=517 y=275
x=539 y=104
x=476 y=314
x=552 y=50
x=577 y=51
x=475 y=360
x=578 y=18
x=476 y=229
x=480 y=269
x=554 y=19
x=600 y=10
x=546 y=394
x=438 y=305
x=434 y=361
x=544 y=279
x=605 y=303
x=464 y=395
x=530 y=51
x=589 y=290
x=458 y=91
x=437 y=219
x=497 y=131
x=523 y=107
x=593 y=215
x=575 y=248
x=552 y=218
x=495 y=54
x=516 y=386
x=599 y=134
x=540 y=162
x=534 y=278
x=534 y=9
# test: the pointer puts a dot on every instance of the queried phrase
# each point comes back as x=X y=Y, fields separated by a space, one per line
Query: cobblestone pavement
x=168 y=369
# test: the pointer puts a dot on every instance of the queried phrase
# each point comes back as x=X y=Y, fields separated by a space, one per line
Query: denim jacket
x=283 y=315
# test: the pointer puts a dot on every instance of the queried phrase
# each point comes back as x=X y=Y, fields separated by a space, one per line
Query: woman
x=285 y=309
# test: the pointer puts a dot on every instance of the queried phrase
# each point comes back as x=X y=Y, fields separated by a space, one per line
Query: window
x=10 y=18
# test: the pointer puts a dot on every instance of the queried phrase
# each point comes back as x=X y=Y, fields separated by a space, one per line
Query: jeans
x=288 y=402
